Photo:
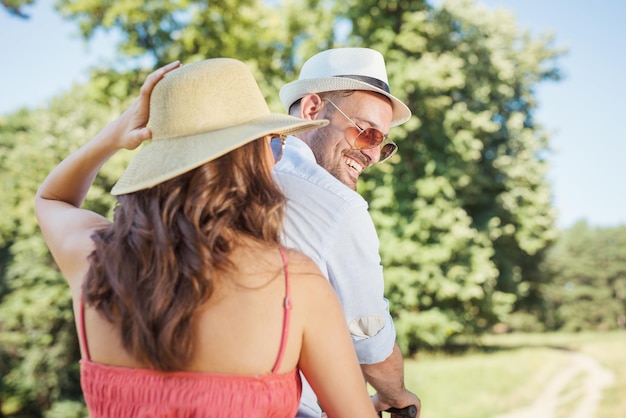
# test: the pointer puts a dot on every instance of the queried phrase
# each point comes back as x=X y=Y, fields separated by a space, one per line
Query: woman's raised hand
x=131 y=125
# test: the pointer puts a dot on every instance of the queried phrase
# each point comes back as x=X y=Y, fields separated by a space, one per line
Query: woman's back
x=239 y=328
x=248 y=348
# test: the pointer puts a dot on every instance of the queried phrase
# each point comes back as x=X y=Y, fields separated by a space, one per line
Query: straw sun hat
x=198 y=113
x=344 y=69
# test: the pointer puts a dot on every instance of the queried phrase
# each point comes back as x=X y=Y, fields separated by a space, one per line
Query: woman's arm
x=67 y=228
x=328 y=359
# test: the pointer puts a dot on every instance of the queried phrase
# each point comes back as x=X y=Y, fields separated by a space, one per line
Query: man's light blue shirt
x=330 y=223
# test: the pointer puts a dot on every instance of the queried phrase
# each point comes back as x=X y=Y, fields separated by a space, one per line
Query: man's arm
x=387 y=378
x=355 y=271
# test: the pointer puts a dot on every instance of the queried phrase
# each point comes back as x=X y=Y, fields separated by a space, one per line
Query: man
x=325 y=217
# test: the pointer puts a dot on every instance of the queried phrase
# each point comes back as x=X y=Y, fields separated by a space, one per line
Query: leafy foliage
x=271 y=40
x=464 y=212
x=589 y=287
x=37 y=334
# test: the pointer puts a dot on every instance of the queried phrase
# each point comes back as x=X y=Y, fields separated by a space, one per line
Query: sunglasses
x=368 y=138
x=277 y=143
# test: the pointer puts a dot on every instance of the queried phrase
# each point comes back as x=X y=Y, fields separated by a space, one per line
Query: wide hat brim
x=162 y=160
x=294 y=91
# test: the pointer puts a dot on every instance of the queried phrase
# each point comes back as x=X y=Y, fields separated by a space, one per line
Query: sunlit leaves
x=37 y=334
x=471 y=206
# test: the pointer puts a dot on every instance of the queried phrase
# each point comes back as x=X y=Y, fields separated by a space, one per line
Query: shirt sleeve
x=355 y=272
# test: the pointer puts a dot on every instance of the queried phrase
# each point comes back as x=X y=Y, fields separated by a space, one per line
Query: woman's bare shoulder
x=301 y=264
x=306 y=276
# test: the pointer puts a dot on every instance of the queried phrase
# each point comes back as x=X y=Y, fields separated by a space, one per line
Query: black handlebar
x=408 y=411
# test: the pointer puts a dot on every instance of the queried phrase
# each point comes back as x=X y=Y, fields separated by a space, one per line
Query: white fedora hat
x=344 y=69
x=198 y=113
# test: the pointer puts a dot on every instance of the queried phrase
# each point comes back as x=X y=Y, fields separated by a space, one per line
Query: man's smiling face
x=331 y=144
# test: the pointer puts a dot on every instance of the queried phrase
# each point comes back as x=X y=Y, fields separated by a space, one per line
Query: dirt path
x=585 y=397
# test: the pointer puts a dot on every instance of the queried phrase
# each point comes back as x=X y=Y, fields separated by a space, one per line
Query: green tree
x=464 y=213
x=588 y=292
x=37 y=334
x=272 y=40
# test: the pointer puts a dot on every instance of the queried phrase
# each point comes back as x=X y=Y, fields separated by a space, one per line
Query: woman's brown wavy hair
x=154 y=266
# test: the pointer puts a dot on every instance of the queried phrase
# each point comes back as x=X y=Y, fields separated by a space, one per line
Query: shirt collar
x=295 y=145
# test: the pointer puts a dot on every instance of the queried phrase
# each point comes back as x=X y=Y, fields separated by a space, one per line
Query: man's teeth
x=356 y=166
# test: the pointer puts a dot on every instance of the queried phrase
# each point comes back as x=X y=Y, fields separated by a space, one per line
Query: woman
x=186 y=303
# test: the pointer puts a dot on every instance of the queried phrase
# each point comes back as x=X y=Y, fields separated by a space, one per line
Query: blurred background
x=502 y=213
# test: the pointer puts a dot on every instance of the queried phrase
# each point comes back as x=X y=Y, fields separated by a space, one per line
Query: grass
x=507 y=372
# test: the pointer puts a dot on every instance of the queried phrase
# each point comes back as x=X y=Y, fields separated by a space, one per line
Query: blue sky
x=43 y=56
x=584 y=111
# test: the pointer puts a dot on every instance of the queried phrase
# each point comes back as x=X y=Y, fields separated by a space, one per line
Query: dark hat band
x=374 y=82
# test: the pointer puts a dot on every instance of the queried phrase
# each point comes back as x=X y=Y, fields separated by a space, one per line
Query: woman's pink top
x=117 y=392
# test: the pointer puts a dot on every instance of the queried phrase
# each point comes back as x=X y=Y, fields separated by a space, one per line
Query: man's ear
x=310 y=107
